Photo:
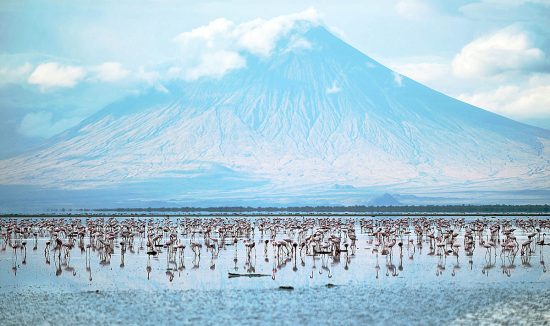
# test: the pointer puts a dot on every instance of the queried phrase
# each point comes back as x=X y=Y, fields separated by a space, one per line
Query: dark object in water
x=322 y=252
x=246 y=275
x=286 y=287
x=330 y=285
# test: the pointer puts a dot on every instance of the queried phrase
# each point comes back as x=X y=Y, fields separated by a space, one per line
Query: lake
x=321 y=270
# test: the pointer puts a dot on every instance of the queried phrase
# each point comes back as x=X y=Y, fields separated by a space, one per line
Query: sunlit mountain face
x=316 y=122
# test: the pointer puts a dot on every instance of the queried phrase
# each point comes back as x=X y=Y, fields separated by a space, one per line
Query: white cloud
x=110 y=72
x=297 y=43
x=151 y=78
x=56 y=75
x=15 y=74
x=53 y=74
x=516 y=102
x=216 y=64
x=217 y=34
x=508 y=50
x=208 y=51
x=41 y=124
x=398 y=79
x=219 y=47
x=260 y=36
x=333 y=89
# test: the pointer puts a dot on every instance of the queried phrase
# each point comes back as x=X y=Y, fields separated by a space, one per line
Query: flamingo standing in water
x=24 y=247
x=541 y=242
x=526 y=247
x=327 y=237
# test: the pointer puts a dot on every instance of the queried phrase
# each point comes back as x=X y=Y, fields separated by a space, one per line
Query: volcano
x=321 y=123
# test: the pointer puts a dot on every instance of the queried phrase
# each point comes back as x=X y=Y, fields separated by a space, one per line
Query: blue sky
x=61 y=61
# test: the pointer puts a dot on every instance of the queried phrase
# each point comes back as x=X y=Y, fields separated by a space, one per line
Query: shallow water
x=412 y=288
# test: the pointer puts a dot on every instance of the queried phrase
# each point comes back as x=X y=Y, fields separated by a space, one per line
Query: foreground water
x=415 y=285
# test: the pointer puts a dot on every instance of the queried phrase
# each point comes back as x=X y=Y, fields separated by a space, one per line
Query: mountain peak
x=284 y=117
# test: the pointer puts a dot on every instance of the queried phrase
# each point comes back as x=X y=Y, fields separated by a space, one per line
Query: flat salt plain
x=415 y=286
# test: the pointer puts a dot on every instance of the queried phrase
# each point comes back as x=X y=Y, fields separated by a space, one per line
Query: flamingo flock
x=280 y=240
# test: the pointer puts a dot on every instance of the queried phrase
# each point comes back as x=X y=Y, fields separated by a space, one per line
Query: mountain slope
x=294 y=124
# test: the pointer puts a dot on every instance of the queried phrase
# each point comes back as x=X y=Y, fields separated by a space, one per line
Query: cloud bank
x=221 y=46
x=52 y=74
x=507 y=50
x=519 y=102
x=505 y=71
x=511 y=60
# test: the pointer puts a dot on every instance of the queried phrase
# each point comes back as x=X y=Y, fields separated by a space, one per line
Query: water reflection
x=311 y=248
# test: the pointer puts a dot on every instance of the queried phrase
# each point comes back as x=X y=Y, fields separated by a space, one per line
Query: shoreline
x=320 y=214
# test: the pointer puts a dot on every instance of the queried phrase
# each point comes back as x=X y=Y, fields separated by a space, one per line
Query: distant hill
x=384 y=200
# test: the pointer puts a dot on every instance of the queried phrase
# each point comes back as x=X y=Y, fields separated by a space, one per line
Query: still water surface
x=413 y=285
